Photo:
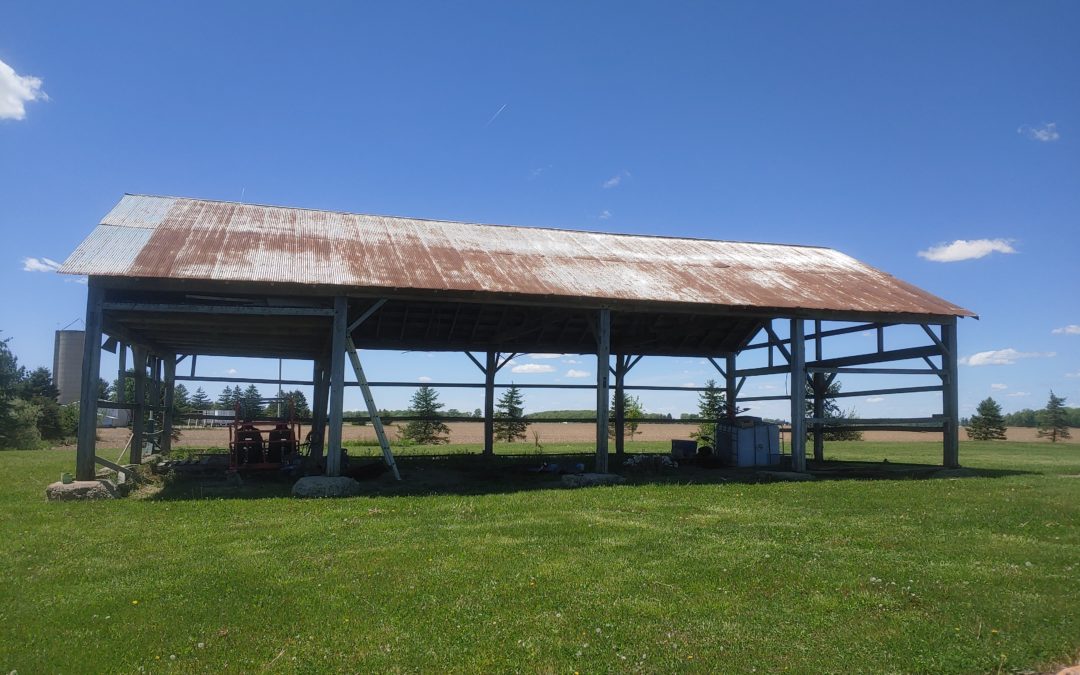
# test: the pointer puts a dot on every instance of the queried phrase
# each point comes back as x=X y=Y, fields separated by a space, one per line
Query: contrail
x=499 y=112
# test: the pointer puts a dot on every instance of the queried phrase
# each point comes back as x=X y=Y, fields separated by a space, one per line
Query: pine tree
x=632 y=413
x=429 y=430
x=250 y=402
x=509 y=422
x=712 y=406
x=181 y=400
x=834 y=413
x=987 y=424
x=1053 y=420
x=200 y=401
x=299 y=402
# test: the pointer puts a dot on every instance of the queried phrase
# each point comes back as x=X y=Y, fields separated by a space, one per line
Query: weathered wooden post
x=620 y=404
x=169 y=361
x=950 y=395
x=88 y=395
x=138 y=411
x=603 y=366
x=490 y=368
x=798 y=397
x=337 y=387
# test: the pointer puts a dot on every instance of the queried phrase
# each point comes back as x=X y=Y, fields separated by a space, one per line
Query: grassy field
x=974 y=574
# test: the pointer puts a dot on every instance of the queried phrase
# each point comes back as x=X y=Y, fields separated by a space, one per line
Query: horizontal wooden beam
x=216 y=309
x=884 y=392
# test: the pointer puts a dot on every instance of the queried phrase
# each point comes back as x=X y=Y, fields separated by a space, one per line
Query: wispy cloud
x=571 y=361
x=615 y=180
x=577 y=373
x=1076 y=374
x=999 y=387
x=40 y=265
x=16 y=91
x=537 y=172
x=1002 y=357
x=967 y=249
x=1019 y=394
x=230 y=372
x=533 y=368
x=423 y=378
x=496 y=115
x=545 y=356
x=1047 y=133
x=605 y=214
x=1071 y=329
x=875 y=399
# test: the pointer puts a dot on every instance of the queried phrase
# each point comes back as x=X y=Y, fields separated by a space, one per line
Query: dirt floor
x=469 y=432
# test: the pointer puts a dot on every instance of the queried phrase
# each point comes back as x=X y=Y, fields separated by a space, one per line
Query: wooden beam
x=603 y=356
x=115 y=467
x=819 y=411
x=121 y=373
x=88 y=394
x=373 y=412
x=798 y=397
x=337 y=386
x=366 y=315
x=319 y=397
x=620 y=405
x=730 y=388
x=476 y=361
x=215 y=309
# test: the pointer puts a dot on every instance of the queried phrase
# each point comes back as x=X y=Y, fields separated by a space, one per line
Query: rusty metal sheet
x=192 y=239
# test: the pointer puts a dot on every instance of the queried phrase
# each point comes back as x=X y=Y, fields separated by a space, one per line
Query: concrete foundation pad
x=577 y=480
x=326 y=486
x=81 y=490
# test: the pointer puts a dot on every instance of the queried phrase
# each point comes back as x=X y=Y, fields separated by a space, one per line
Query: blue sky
x=880 y=129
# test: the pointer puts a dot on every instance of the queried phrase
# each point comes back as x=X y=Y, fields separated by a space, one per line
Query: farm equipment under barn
x=264 y=443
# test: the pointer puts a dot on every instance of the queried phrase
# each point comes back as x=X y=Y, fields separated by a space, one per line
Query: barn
x=164 y=274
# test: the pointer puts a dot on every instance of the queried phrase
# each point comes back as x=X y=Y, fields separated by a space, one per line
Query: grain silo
x=67 y=364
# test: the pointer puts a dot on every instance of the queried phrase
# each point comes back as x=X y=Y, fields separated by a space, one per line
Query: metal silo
x=67 y=364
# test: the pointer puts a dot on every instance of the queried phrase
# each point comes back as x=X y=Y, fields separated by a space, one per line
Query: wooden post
x=154 y=391
x=819 y=413
x=950 y=395
x=798 y=397
x=603 y=372
x=121 y=373
x=167 y=415
x=337 y=387
x=491 y=365
x=138 y=413
x=732 y=389
x=318 y=409
x=88 y=394
x=620 y=405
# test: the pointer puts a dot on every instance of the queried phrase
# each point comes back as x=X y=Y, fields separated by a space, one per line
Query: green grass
x=962 y=575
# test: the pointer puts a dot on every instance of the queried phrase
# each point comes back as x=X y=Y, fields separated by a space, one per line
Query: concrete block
x=81 y=490
x=326 y=486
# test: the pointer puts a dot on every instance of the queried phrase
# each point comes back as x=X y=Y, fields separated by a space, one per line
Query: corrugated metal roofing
x=193 y=239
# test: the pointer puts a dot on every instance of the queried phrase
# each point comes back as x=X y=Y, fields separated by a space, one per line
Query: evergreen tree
x=428 y=430
x=1053 y=421
x=299 y=402
x=834 y=413
x=509 y=422
x=250 y=402
x=200 y=401
x=632 y=413
x=181 y=400
x=712 y=406
x=987 y=424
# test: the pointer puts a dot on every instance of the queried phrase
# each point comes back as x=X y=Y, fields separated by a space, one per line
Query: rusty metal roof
x=194 y=239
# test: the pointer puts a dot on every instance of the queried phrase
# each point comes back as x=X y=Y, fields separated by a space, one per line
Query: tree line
x=1053 y=421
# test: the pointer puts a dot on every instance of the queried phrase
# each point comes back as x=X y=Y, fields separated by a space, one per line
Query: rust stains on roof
x=192 y=239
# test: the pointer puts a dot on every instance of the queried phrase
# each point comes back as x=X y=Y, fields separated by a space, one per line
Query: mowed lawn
x=945 y=575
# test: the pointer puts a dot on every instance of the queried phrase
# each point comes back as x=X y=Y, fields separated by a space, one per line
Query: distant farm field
x=944 y=575
x=469 y=432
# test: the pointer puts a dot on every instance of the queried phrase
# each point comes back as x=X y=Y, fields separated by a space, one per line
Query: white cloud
x=999 y=387
x=1018 y=394
x=533 y=368
x=423 y=378
x=766 y=387
x=875 y=399
x=571 y=362
x=1071 y=329
x=573 y=372
x=40 y=265
x=16 y=91
x=616 y=179
x=1002 y=357
x=545 y=356
x=1076 y=374
x=688 y=384
x=230 y=371
x=1047 y=133
x=967 y=249
x=605 y=214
